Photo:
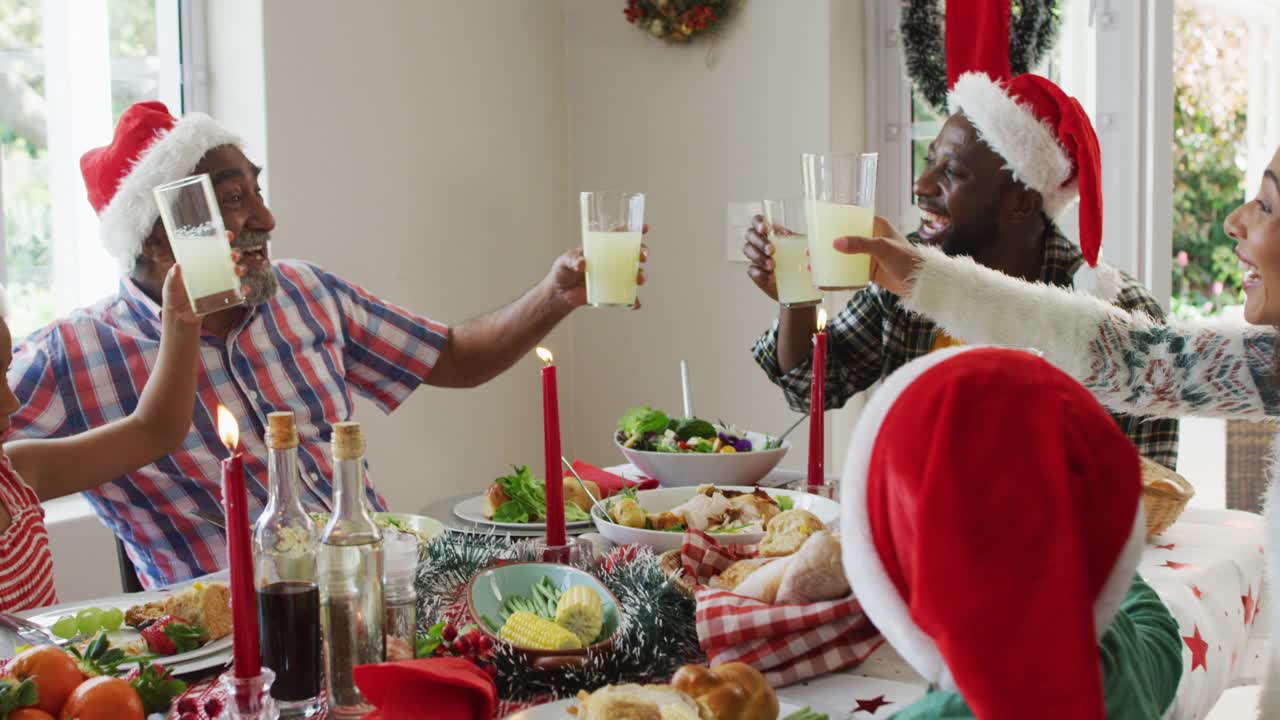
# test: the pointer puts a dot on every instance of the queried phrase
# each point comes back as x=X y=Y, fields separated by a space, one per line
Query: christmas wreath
x=678 y=21
x=1033 y=28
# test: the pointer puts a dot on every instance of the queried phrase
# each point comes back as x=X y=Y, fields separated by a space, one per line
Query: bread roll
x=763 y=583
x=494 y=497
x=815 y=573
x=733 y=575
x=787 y=531
x=733 y=691
x=636 y=702
x=574 y=493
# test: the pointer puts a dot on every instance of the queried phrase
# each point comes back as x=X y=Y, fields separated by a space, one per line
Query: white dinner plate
x=49 y=615
x=657 y=501
x=559 y=710
x=472 y=510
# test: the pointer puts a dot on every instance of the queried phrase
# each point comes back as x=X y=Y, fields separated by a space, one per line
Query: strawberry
x=156 y=686
x=169 y=636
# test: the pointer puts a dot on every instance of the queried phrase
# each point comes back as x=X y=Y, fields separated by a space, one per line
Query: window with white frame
x=68 y=68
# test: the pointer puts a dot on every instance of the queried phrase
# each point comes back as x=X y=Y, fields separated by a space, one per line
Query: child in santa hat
x=33 y=471
x=993 y=522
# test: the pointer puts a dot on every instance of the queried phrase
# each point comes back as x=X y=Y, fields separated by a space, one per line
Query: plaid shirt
x=306 y=350
x=874 y=335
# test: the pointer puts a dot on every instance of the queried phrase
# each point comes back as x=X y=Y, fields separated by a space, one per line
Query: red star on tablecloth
x=1199 y=649
x=1173 y=565
x=1250 y=608
x=1165 y=547
x=1195 y=590
x=872 y=705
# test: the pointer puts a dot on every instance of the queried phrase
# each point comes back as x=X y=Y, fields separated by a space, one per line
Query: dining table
x=1208 y=569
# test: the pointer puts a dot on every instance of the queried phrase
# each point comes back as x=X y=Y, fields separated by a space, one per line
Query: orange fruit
x=55 y=673
x=103 y=698
x=30 y=713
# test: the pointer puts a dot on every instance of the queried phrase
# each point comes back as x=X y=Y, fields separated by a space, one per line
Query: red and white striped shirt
x=26 y=566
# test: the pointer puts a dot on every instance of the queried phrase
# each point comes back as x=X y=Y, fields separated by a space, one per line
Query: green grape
x=89 y=620
x=65 y=627
x=112 y=619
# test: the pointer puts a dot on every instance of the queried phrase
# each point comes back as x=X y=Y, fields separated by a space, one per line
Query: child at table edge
x=1003 y=482
x=33 y=471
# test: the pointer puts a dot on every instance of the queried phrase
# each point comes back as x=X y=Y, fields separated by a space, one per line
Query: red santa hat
x=150 y=147
x=993 y=524
x=1049 y=145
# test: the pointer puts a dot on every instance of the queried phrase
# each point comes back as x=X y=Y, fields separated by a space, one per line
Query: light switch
x=737 y=220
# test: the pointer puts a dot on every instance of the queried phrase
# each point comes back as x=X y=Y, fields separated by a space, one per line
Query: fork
x=27 y=630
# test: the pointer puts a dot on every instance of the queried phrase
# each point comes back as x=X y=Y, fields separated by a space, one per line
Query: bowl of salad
x=687 y=452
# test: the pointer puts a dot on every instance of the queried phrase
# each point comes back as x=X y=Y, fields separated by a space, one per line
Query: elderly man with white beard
x=304 y=342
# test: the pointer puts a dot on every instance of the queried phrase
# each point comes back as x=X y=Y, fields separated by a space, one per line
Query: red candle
x=244 y=603
x=551 y=442
x=817 y=404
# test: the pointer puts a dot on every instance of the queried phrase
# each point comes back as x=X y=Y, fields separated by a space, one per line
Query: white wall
x=391 y=127
x=417 y=148
x=654 y=118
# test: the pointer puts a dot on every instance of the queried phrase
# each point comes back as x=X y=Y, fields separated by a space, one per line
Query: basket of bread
x=1165 y=494
x=783 y=606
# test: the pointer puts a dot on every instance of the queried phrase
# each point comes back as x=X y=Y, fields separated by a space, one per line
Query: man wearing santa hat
x=992 y=522
x=305 y=341
x=1012 y=156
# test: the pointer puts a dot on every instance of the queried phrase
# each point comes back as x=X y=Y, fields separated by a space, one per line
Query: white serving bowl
x=656 y=501
x=694 y=469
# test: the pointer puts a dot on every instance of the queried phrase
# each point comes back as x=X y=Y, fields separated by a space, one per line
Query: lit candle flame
x=545 y=355
x=822 y=319
x=228 y=428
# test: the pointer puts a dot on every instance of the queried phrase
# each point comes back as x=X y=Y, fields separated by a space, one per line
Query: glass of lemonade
x=612 y=226
x=788 y=232
x=839 y=193
x=193 y=222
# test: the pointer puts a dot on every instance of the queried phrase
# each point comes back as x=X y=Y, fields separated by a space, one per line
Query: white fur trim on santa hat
x=867 y=576
x=127 y=220
x=1103 y=281
x=1028 y=145
x=870 y=581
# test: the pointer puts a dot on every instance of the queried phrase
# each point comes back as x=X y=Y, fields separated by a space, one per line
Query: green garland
x=1033 y=29
x=658 y=632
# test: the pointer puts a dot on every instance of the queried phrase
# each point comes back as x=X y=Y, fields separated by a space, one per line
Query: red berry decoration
x=491 y=671
x=486 y=643
x=449 y=633
x=213 y=707
x=186 y=705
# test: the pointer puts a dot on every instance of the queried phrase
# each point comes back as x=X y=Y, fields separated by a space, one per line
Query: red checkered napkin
x=788 y=643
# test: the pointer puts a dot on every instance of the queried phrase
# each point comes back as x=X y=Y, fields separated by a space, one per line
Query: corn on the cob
x=524 y=629
x=581 y=612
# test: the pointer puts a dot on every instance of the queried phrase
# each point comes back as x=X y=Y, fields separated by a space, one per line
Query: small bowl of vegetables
x=682 y=452
x=553 y=614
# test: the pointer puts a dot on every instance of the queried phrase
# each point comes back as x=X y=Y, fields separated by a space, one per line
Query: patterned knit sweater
x=1131 y=364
